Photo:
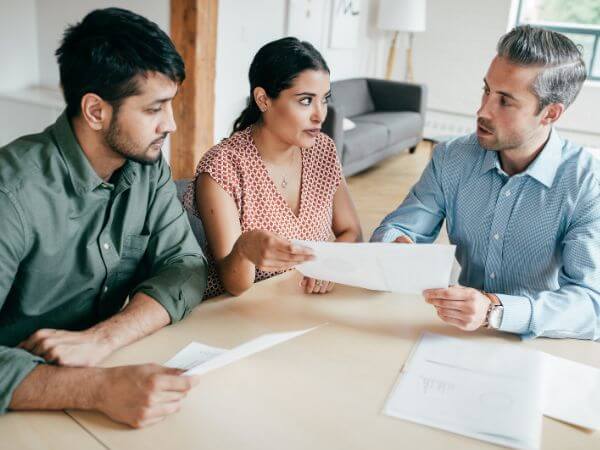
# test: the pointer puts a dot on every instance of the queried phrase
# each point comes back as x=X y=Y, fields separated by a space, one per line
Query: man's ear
x=95 y=111
x=552 y=113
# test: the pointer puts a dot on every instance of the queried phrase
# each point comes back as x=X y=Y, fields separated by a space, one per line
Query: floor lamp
x=406 y=16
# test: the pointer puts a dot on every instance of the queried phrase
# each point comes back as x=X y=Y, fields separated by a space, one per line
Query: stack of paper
x=404 y=268
x=493 y=392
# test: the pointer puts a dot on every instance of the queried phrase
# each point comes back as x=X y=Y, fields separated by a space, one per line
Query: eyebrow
x=506 y=94
x=161 y=100
x=311 y=94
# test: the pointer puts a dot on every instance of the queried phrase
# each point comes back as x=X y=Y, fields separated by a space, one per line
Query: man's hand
x=403 y=240
x=69 y=348
x=463 y=307
x=142 y=395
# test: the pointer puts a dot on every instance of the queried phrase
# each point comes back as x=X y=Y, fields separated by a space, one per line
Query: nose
x=167 y=124
x=319 y=112
x=484 y=110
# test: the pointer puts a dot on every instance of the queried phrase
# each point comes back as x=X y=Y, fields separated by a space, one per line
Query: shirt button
x=492 y=275
x=106 y=246
x=105 y=289
x=496 y=236
x=507 y=193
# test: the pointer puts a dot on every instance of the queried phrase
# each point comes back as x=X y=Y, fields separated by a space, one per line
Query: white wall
x=453 y=55
x=243 y=27
x=18 y=44
x=54 y=16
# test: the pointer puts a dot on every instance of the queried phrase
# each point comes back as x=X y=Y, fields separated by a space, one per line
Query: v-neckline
x=274 y=185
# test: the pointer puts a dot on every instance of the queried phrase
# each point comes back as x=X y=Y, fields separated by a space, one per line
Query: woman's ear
x=261 y=99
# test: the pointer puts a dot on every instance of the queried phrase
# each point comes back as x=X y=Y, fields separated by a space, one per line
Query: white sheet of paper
x=488 y=392
x=404 y=268
x=572 y=392
x=197 y=358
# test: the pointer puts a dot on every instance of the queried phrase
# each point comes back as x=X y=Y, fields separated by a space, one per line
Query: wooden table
x=322 y=390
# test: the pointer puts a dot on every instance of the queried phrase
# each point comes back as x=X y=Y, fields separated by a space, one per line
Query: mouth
x=483 y=131
x=158 y=144
x=313 y=132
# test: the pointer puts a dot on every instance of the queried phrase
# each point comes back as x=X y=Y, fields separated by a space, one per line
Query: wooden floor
x=379 y=190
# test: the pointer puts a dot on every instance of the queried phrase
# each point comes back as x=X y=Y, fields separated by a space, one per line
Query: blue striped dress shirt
x=533 y=238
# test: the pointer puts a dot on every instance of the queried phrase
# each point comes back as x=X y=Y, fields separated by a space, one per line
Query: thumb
x=403 y=240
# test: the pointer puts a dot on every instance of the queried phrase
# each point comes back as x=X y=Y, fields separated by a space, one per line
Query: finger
x=403 y=240
x=452 y=313
x=303 y=282
x=288 y=257
x=453 y=321
x=323 y=288
x=448 y=304
x=168 y=397
x=330 y=286
x=299 y=250
x=451 y=293
x=310 y=285
x=160 y=411
x=179 y=383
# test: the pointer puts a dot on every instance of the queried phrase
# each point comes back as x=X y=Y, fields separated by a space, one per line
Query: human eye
x=306 y=101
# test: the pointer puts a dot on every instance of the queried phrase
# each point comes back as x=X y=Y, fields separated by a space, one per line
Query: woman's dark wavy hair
x=274 y=69
x=105 y=52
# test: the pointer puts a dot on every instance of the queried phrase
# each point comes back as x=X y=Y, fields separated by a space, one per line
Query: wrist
x=101 y=335
x=493 y=317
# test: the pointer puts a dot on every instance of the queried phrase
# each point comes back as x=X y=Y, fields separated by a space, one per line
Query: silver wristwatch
x=494 y=316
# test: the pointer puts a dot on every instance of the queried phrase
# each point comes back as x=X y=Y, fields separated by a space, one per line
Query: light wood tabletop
x=44 y=431
x=323 y=390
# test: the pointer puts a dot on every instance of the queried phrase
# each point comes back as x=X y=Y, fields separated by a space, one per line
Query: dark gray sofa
x=389 y=118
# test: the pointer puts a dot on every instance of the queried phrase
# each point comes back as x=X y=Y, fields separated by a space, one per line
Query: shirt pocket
x=132 y=253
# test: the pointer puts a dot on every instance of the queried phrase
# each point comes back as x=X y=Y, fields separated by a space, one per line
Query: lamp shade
x=401 y=15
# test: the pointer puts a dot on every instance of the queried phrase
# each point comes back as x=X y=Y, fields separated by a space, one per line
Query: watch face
x=496 y=316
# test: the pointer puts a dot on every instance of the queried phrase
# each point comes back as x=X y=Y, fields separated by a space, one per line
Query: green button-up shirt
x=73 y=247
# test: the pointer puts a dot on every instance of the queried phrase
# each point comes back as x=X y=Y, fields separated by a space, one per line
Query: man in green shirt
x=88 y=218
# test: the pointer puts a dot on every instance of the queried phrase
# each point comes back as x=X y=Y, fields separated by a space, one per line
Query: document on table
x=197 y=358
x=404 y=268
x=488 y=392
x=572 y=392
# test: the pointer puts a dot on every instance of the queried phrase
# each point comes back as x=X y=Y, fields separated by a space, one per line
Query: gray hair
x=564 y=72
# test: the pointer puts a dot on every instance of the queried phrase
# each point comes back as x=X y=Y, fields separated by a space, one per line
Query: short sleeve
x=224 y=168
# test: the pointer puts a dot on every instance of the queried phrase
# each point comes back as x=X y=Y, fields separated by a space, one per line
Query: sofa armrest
x=388 y=95
x=334 y=126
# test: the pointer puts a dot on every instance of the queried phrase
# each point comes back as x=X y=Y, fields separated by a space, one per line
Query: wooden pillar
x=194 y=32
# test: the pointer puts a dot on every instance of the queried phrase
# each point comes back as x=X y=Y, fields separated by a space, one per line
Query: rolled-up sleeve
x=15 y=364
x=178 y=268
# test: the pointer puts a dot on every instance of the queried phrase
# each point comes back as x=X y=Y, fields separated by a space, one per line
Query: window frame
x=583 y=29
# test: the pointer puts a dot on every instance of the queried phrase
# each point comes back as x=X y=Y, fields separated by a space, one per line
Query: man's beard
x=121 y=144
x=498 y=144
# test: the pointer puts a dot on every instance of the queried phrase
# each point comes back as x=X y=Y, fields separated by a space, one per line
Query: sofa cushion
x=363 y=140
x=353 y=96
x=400 y=125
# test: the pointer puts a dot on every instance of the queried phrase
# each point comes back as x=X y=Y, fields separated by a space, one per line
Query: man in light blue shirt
x=521 y=204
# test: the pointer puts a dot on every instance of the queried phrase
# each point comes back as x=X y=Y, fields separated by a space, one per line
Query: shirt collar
x=83 y=176
x=543 y=168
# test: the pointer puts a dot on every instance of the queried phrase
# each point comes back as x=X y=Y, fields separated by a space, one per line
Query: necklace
x=284 y=181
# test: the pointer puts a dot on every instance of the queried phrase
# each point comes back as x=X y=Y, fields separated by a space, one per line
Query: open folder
x=403 y=268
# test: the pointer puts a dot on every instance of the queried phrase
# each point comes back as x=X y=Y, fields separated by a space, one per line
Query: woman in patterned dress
x=276 y=178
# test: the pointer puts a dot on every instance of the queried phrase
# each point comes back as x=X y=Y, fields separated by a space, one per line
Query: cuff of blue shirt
x=386 y=235
x=517 y=313
x=15 y=365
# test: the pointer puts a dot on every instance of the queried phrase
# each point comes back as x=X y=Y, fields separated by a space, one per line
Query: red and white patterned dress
x=236 y=165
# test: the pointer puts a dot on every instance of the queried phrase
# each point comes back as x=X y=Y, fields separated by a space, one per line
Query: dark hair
x=274 y=68
x=564 y=70
x=107 y=50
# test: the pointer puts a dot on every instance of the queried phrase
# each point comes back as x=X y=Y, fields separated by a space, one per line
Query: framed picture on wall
x=306 y=20
x=345 y=23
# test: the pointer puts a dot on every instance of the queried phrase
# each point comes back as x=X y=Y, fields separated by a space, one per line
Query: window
x=577 y=19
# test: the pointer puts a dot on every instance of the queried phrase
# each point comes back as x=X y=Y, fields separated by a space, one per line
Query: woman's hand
x=312 y=286
x=271 y=253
